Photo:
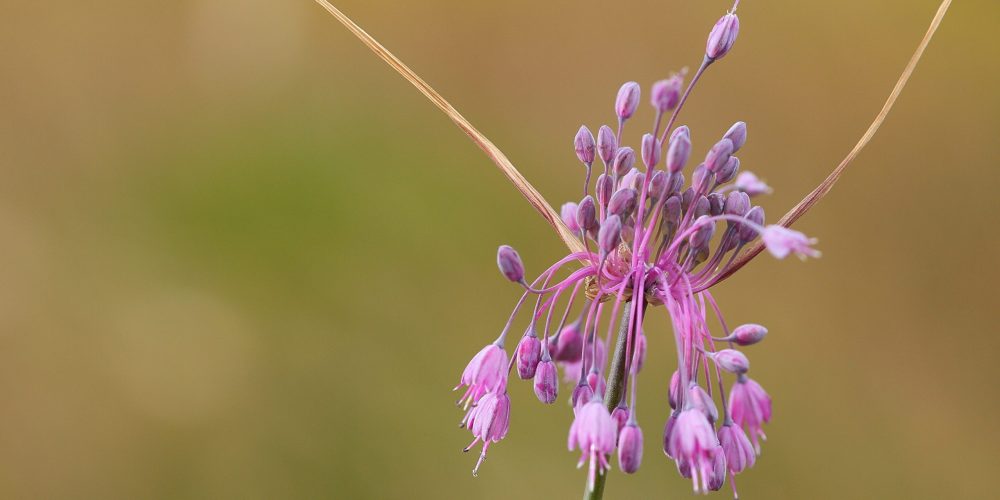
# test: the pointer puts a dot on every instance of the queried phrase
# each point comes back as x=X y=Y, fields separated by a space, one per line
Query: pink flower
x=693 y=443
x=488 y=420
x=594 y=432
x=485 y=372
x=750 y=184
x=739 y=452
x=781 y=241
x=750 y=407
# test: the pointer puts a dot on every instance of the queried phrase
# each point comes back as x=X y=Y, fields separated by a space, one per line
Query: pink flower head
x=485 y=372
x=751 y=185
x=693 y=442
x=594 y=432
x=750 y=407
x=781 y=241
x=488 y=420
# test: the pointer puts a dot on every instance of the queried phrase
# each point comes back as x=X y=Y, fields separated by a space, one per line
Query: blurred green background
x=243 y=259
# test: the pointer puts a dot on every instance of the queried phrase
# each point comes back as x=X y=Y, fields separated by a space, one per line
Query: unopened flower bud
x=718 y=476
x=668 y=431
x=731 y=360
x=679 y=150
x=627 y=101
x=582 y=394
x=510 y=264
x=672 y=210
x=728 y=171
x=529 y=352
x=650 y=151
x=607 y=144
x=623 y=202
x=630 y=448
x=722 y=37
x=719 y=155
x=686 y=198
x=747 y=231
x=701 y=236
x=568 y=345
x=658 y=185
x=610 y=234
x=584 y=145
x=700 y=178
x=546 y=381
x=596 y=383
x=568 y=213
x=702 y=402
x=738 y=135
x=586 y=214
x=716 y=203
x=737 y=204
x=701 y=207
x=748 y=334
x=665 y=94
x=605 y=186
x=624 y=161
x=620 y=416
x=676 y=183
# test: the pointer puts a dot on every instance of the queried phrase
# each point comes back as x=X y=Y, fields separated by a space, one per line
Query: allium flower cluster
x=659 y=230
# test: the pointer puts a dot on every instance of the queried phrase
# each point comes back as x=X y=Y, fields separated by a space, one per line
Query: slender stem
x=616 y=377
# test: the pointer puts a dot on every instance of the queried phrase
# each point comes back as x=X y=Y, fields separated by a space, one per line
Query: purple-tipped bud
x=630 y=448
x=748 y=334
x=718 y=156
x=607 y=144
x=701 y=401
x=701 y=236
x=546 y=381
x=568 y=345
x=722 y=37
x=624 y=161
x=510 y=264
x=737 y=204
x=529 y=352
x=717 y=477
x=605 y=186
x=716 y=203
x=596 y=383
x=747 y=232
x=582 y=394
x=679 y=150
x=738 y=134
x=736 y=445
x=586 y=214
x=610 y=234
x=675 y=388
x=700 y=178
x=650 y=151
x=620 y=416
x=658 y=185
x=568 y=213
x=623 y=202
x=627 y=101
x=728 y=172
x=665 y=94
x=584 y=145
x=731 y=360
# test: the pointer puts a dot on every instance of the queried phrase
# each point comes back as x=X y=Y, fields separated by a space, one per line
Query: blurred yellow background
x=240 y=258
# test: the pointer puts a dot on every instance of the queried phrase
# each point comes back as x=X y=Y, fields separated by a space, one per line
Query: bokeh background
x=240 y=258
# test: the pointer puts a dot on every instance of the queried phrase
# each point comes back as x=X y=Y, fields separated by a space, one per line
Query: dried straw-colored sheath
x=530 y=193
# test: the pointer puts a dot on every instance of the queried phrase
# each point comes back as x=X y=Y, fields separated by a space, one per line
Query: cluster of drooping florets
x=652 y=237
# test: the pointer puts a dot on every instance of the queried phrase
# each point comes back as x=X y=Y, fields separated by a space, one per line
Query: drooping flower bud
x=568 y=214
x=701 y=401
x=510 y=264
x=738 y=135
x=620 y=416
x=607 y=144
x=668 y=430
x=627 y=101
x=568 y=345
x=605 y=185
x=582 y=394
x=748 y=334
x=584 y=145
x=586 y=214
x=596 y=383
x=610 y=234
x=529 y=351
x=675 y=387
x=650 y=151
x=718 y=156
x=728 y=171
x=630 y=448
x=624 y=161
x=730 y=360
x=665 y=94
x=722 y=37
x=717 y=477
x=623 y=202
x=747 y=231
x=679 y=150
x=546 y=381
